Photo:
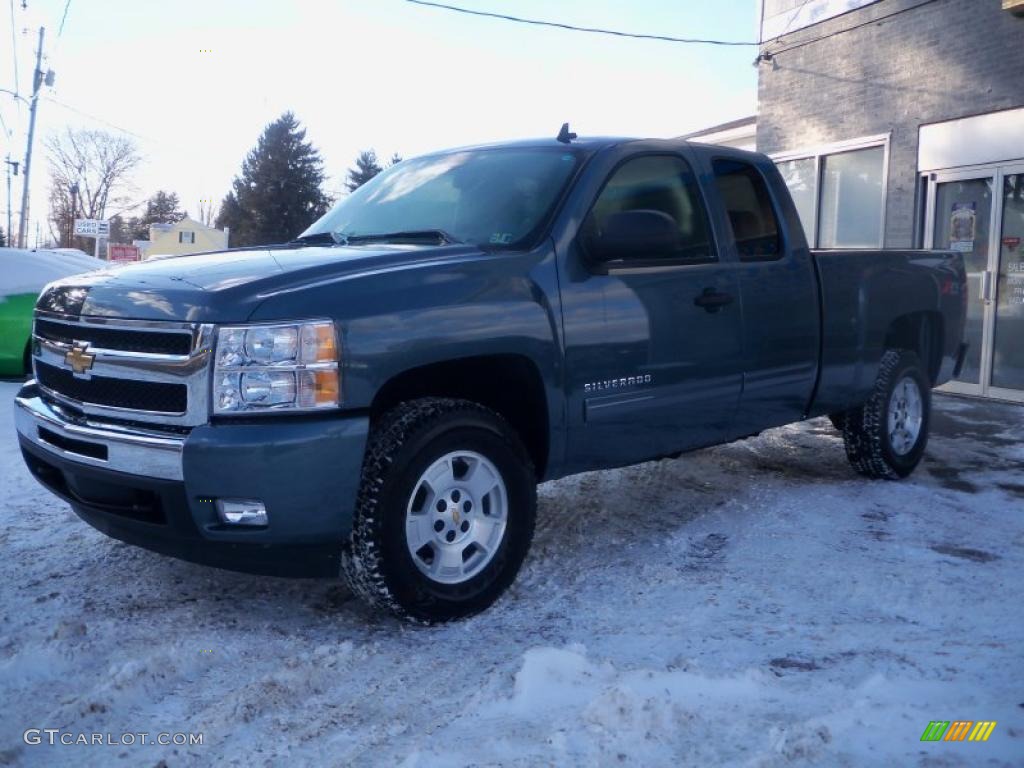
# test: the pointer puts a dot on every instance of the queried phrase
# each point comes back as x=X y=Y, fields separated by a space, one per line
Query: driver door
x=653 y=342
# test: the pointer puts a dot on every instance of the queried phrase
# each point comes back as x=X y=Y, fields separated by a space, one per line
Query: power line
x=771 y=54
x=97 y=119
x=573 y=28
x=63 y=18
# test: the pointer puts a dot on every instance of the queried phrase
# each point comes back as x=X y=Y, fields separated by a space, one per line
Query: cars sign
x=92 y=228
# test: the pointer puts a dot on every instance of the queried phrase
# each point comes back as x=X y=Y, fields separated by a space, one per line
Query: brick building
x=900 y=123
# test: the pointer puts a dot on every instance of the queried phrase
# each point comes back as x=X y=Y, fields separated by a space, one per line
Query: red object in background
x=1011 y=242
x=117 y=252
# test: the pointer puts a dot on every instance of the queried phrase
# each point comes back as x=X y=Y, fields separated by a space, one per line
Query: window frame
x=653 y=264
x=181 y=237
x=818 y=153
x=772 y=202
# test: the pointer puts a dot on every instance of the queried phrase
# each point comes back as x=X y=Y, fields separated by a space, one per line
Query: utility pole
x=37 y=82
x=10 y=164
x=74 y=212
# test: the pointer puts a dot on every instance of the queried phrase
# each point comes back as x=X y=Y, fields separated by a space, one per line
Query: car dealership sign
x=92 y=228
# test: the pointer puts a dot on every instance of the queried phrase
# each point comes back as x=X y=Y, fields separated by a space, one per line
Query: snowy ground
x=755 y=604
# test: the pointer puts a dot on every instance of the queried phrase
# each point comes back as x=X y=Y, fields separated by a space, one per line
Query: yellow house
x=185 y=236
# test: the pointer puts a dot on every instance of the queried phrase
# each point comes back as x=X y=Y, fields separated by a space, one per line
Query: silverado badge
x=619 y=383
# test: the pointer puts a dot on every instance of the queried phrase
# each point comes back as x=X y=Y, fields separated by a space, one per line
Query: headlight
x=285 y=366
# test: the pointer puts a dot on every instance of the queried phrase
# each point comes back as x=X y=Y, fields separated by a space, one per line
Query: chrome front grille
x=150 y=371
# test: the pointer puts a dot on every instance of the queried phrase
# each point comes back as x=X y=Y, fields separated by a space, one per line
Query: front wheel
x=885 y=438
x=445 y=512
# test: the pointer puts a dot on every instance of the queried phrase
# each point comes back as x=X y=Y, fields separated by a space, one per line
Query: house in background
x=185 y=236
x=741 y=134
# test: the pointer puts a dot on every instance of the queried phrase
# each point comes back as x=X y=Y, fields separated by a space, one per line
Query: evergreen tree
x=3 y=239
x=365 y=169
x=119 y=230
x=279 y=193
x=161 y=208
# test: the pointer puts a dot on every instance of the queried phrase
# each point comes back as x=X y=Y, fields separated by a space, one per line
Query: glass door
x=961 y=212
x=1007 y=380
x=981 y=214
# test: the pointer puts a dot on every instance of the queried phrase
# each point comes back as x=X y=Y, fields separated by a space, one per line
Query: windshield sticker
x=501 y=238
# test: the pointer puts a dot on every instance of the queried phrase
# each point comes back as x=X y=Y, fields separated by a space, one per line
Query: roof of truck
x=581 y=142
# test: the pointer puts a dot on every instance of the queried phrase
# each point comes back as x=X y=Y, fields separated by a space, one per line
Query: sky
x=194 y=83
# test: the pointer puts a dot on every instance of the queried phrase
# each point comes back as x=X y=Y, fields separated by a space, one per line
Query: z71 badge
x=625 y=381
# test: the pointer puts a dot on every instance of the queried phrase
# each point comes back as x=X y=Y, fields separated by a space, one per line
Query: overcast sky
x=358 y=74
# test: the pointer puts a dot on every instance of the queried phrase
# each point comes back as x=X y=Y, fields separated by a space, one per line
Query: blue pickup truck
x=380 y=397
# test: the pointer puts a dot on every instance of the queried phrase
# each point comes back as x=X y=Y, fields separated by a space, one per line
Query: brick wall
x=947 y=59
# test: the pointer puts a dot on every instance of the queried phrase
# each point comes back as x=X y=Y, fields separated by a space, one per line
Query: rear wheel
x=886 y=437
x=445 y=512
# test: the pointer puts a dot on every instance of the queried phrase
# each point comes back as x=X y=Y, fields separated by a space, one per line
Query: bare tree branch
x=101 y=164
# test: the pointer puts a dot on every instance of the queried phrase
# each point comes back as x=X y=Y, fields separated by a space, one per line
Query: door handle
x=712 y=300
x=985 y=294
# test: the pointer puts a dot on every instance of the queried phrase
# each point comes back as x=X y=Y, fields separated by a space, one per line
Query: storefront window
x=852 y=189
x=802 y=179
x=839 y=195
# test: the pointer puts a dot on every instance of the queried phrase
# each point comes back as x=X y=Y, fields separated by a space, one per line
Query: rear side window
x=745 y=196
x=662 y=183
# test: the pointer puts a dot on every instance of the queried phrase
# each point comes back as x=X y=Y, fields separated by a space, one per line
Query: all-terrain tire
x=376 y=561
x=866 y=433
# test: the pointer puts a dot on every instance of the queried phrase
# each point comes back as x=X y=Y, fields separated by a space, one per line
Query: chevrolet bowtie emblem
x=79 y=359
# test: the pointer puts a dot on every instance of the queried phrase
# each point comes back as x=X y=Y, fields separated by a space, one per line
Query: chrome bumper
x=133 y=451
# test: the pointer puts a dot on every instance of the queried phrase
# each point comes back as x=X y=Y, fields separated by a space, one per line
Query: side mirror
x=638 y=234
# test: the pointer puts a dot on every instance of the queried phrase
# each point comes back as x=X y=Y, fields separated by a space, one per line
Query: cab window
x=664 y=184
x=749 y=207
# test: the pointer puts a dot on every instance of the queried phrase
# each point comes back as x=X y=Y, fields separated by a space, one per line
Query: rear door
x=779 y=291
x=653 y=361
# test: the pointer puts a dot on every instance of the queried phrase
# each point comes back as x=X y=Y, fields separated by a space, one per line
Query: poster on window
x=962 y=226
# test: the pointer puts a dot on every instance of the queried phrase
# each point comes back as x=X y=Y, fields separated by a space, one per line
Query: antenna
x=565 y=135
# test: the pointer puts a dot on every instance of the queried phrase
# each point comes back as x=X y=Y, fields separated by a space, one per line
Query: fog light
x=242 y=511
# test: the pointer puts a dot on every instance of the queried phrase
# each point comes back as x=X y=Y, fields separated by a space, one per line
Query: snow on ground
x=754 y=604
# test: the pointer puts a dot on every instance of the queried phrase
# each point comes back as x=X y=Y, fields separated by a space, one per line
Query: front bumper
x=157 y=490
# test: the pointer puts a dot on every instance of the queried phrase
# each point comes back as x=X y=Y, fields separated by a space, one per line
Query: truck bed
x=865 y=294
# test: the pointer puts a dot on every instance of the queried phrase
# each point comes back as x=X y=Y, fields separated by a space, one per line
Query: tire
x=397 y=508
x=874 y=446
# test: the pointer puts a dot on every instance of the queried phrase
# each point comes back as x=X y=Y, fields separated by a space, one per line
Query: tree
x=207 y=212
x=366 y=167
x=3 y=239
x=279 y=191
x=161 y=208
x=99 y=164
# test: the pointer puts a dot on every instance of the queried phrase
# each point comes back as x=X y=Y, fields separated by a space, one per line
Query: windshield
x=488 y=197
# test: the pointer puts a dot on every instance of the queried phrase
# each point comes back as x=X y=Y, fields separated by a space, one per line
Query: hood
x=228 y=286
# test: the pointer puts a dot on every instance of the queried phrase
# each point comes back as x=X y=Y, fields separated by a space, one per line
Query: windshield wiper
x=327 y=238
x=438 y=236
